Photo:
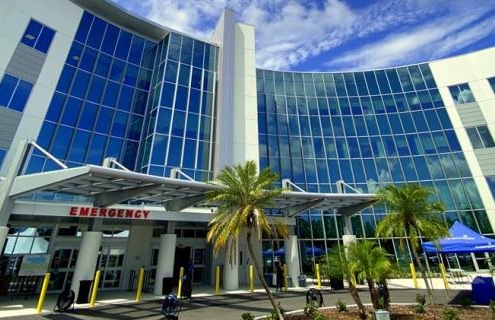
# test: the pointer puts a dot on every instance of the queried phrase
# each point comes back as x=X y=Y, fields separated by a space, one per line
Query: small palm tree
x=412 y=214
x=371 y=263
x=337 y=264
x=240 y=201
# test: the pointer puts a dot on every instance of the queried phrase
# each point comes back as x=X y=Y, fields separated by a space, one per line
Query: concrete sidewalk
x=205 y=304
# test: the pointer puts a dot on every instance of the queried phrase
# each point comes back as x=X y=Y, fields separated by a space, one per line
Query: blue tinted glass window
x=184 y=72
x=45 y=39
x=461 y=94
x=117 y=70
x=32 y=33
x=186 y=50
x=96 y=89
x=174 y=46
x=371 y=82
x=104 y=119
x=486 y=137
x=71 y=112
x=340 y=84
x=168 y=94
x=350 y=84
x=96 y=33
x=114 y=147
x=417 y=78
x=163 y=121
x=7 y=87
x=393 y=80
x=96 y=149
x=125 y=99
x=79 y=146
x=21 y=95
x=103 y=65
x=427 y=76
x=175 y=152
x=119 y=124
x=88 y=59
x=110 y=39
x=413 y=101
x=178 y=123
x=88 y=116
x=75 y=54
x=198 y=54
x=61 y=142
x=432 y=119
x=111 y=94
x=123 y=45
x=131 y=74
x=80 y=86
x=84 y=25
x=405 y=79
x=136 y=50
x=55 y=107
x=46 y=134
x=66 y=77
x=382 y=81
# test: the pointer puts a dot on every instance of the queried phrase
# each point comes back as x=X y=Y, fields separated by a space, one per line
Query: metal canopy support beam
x=107 y=199
x=183 y=203
x=294 y=210
x=348 y=212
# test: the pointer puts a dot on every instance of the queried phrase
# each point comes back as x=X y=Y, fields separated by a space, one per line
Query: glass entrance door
x=111 y=262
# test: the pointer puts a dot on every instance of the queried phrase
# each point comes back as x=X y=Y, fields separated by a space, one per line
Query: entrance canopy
x=106 y=186
x=462 y=240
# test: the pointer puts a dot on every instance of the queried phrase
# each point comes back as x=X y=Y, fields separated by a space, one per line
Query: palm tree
x=412 y=214
x=240 y=202
x=371 y=263
x=336 y=264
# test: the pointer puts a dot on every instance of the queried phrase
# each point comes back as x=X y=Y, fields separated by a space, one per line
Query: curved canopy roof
x=106 y=186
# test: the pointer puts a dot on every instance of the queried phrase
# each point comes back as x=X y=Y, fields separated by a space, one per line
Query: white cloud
x=379 y=34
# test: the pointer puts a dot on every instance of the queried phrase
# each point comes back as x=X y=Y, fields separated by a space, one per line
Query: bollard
x=44 y=288
x=413 y=274
x=285 y=277
x=444 y=275
x=217 y=281
x=140 y=284
x=251 y=278
x=318 y=278
x=181 y=274
x=95 y=289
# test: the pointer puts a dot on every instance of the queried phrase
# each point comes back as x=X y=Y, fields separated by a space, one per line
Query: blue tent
x=461 y=240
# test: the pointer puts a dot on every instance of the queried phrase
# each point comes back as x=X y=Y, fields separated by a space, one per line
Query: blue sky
x=338 y=35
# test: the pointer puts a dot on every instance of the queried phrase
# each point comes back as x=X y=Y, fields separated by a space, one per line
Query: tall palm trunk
x=262 y=279
x=355 y=296
x=423 y=274
x=374 y=293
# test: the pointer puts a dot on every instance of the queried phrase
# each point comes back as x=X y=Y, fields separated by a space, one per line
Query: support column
x=231 y=272
x=86 y=259
x=292 y=259
x=3 y=237
x=165 y=263
x=348 y=239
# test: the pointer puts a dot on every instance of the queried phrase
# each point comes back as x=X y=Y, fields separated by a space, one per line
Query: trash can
x=302 y=280
x=167 y=285
x=83 y=293
x=482 y=290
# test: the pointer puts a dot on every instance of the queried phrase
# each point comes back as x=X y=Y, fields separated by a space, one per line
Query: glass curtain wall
x=369 y=129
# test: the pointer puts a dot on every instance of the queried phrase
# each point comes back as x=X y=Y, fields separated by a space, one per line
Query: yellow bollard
x=181 y=274
x=285 y=277
x=217 y=281
x=140 y=284
x=444 y=275
x=251 y=278
x=44 y=288
x=318 y=278
x=95 y=288
x=413 y=274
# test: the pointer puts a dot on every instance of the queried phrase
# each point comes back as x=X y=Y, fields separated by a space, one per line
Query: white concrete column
x=3 y=236
x=165 y=263
x=292 y=259
x=86 y=259
x=231 y=271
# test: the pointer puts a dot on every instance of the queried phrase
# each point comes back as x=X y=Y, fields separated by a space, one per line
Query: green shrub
x=247 y=316
x=340 y=305
x=421 y=301
x=320 y=316
x=311 y=310
x=451 y=314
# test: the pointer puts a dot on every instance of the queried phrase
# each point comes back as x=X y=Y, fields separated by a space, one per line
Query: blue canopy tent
x=462 y=240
